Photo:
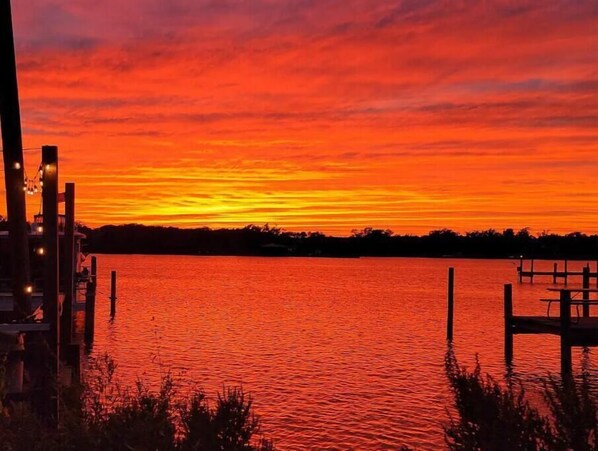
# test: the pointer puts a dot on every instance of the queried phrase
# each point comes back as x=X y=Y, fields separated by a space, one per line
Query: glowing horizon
x=317 y=115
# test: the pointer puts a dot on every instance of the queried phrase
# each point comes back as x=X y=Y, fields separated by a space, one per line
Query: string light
x=31 y=184
x=28 y=289
x=17 y=165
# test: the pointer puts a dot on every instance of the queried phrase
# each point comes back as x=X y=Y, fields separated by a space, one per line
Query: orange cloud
x=318 y=115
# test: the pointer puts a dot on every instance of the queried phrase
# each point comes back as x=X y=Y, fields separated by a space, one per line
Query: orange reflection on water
x=339 y=353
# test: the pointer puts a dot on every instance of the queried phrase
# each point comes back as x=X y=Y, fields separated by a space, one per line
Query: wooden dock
x=560 y=272
x=580 y=329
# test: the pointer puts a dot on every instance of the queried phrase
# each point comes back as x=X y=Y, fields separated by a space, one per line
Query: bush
x=491 y=417
x=101 y=415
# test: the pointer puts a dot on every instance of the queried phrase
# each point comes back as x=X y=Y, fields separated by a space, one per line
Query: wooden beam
x=14 y=176
x=51 y=309
x=66 y=319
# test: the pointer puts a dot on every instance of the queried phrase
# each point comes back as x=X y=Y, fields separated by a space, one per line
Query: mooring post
x=66 y=319
x=531 y=274
x=451 y=299
x=90 y=303
x=566 y=272
x=565 y=301
x=586 y=294
x=554 y=271
x=51 y=303
x=112 y=294
x=508 y=306
x=520 y=268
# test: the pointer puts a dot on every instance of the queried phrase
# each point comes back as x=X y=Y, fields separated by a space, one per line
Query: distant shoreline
x=255 y=241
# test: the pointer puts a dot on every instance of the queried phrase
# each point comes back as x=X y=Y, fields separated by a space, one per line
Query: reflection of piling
x=90 y=303
x=112 y=294
x=508 y=306
x=586 y=295
x=451 y=299
x=565 y=301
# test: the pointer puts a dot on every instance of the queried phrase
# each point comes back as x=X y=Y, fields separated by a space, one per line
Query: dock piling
x=554 y=271
x=451 y=300
x=585 y=294
x=112 y=294
x=66 y=319
x=520 y=268
x=566 y=272
x=51 y=283
x=531 y=277
x=508 y=309
x=565 y=301
x=90 y=303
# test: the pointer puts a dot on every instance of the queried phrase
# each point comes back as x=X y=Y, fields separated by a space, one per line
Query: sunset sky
x=323 y=115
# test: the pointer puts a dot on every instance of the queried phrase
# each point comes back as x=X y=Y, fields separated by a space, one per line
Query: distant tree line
x=265 y=240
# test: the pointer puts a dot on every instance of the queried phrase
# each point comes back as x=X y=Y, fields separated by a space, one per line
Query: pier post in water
x=112 y=294
x=565 y=301
x=554 y=271
x=520 y=268
x=566 y=273
x=585 y=294
x=508 y=306
x=90 y=303
x=451 y=301
x=531 y=274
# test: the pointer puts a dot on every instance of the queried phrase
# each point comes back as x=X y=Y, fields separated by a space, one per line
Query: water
x=337 y=353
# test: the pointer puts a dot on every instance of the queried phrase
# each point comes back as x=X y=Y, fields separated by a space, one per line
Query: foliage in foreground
x=490 y=417
x=103 y=416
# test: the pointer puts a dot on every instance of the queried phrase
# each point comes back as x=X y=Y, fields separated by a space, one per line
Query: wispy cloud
x=318 y=114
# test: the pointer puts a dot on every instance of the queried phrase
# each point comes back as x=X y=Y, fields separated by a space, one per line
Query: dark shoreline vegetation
x=265 y=240
x=101 y=414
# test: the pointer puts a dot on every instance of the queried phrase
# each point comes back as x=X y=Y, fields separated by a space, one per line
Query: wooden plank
x=15 y=328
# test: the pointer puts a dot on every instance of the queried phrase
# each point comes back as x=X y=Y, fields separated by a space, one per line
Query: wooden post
x=565 y=301
x=531 y=277
x=90 y=303
x=596 y=273
x=566 y=272
x=66 y=319
x=521 y=269
x=14 y=175
x=585 y=294
x=554 y=271
x=51 y=307
x=112 y=294
x=451 y=299
x=508 y=309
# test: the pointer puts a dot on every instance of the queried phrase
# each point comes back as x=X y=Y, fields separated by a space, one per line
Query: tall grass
x=102 y=415
x=491 y=417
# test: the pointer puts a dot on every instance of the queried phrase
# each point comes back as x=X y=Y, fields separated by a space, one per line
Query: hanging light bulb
x=17 y=165
x=28 y=289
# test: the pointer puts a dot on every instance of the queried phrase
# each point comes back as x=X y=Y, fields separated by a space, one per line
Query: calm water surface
x=337 y=353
